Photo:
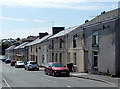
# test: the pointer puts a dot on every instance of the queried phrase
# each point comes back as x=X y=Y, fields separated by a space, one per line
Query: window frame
x=75 y=58
x=95 y=61
x=95 y=38
x=75 y=41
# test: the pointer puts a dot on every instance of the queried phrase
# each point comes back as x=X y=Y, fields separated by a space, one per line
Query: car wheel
x=38 y=69
x=53 y=74
x=15 y=66
x=46 y=72
x=28 y=69
x=68 y=74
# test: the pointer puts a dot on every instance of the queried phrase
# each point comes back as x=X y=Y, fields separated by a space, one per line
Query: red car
x=56 y=69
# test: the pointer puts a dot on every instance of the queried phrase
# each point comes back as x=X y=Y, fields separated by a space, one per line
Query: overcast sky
x=21 y=18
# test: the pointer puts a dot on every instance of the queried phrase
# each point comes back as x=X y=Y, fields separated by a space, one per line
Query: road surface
x=18 y=77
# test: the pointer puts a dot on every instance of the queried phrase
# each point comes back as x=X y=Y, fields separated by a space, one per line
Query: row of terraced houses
x=92 y=47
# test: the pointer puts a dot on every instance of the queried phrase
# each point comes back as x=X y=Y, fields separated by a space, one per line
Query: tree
x=18 y=39
x=5 y=45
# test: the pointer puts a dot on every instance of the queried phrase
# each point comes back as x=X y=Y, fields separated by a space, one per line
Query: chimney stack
x=41 y=35
x=55 y=30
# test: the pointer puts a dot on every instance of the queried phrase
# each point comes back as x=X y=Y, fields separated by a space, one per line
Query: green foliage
x=18 y=39
x=9 y=42
x=5 y=45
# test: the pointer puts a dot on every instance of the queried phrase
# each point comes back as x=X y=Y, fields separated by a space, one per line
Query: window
x=52 y=57
x=95 y=59
x=75 y=58
x=60 y=57
x=52 y=44
x=36 y=58
x=31 y=48
x=75 y=41
x=56 y=57
x=43 y=58
x=61 y=43
x=95 y=38
x=36 y=49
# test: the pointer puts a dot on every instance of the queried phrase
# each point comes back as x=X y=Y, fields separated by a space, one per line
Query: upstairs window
x=75 y=41
x=52 y=44
x=95 y=39
x=36 y=49
x=61 y=43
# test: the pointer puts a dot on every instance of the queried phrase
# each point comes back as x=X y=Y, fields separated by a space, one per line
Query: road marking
x=6 y=83
x=68 y=86
x=49 y=80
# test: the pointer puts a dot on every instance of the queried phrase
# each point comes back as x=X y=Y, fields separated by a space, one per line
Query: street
x=18 y=77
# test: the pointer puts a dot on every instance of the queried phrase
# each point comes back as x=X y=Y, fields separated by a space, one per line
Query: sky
x=22 y=18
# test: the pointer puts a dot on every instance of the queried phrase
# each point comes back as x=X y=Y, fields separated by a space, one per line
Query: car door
x=48 y=68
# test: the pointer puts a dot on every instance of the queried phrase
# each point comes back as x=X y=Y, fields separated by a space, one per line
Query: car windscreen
x=57 y=65
x=20 y=62
x=2 y=57
x=33 y=62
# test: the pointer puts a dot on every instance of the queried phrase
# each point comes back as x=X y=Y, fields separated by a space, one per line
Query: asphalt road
x=18 y=77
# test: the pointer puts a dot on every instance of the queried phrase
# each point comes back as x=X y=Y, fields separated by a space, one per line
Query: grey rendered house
x=42 y=50
x=9 y=52
x=102 y=43
x=19 y=52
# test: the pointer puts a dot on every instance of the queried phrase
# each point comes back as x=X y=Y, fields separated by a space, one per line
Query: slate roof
x=64 y=32
x=11 y=47
x=104 y=16
x=38 y=40
x=21 y=45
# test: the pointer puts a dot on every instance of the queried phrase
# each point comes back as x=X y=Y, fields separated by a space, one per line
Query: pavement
x=101 y=78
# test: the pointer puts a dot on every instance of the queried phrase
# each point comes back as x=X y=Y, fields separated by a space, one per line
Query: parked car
x=13 y=63
x=31 y=65
x=7 y=61
x=2 y=58
x=19 y=64
x=56 y=69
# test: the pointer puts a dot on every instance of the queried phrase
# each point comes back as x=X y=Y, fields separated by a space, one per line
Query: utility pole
x=52 y=23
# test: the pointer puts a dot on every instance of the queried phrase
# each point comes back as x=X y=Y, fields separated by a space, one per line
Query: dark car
x=56 y=69
x=7 y=61
x=31 y=65
x=13 y=63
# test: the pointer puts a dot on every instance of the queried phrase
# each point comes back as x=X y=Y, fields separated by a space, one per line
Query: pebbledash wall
x=102 y=43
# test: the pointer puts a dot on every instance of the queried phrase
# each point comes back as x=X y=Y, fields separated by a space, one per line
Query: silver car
x=31 y=65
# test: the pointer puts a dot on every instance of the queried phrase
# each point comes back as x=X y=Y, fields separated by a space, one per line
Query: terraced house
x=102 y=43
x=33 y=49
x=65 y=47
